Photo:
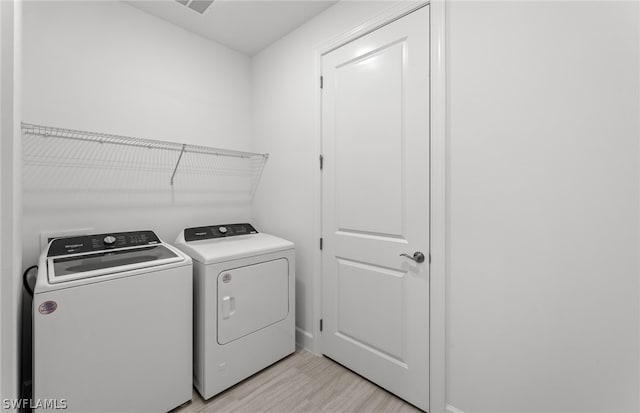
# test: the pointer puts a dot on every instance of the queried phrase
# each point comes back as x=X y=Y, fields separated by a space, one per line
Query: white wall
x=285 y=114
x=109 y=67
x=10 y=198
x=544 y=213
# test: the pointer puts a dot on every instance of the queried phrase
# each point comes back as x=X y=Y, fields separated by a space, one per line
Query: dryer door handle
x=228 y=307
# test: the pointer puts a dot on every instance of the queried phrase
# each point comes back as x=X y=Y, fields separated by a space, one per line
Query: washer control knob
x=109 y=239
x=222 y=230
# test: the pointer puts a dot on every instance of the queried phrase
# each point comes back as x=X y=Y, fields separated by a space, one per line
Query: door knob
x=417 y=256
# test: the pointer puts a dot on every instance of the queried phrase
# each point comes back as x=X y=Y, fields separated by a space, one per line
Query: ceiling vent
x=198 y=5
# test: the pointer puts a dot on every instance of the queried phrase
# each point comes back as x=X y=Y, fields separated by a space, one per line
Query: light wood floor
x=302 y=383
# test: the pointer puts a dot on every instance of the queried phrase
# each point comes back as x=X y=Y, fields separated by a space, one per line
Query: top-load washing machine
x=244 y=300
x=112 y=325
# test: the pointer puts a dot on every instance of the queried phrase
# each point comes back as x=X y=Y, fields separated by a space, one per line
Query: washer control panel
x=101 y=242
x=218 y=231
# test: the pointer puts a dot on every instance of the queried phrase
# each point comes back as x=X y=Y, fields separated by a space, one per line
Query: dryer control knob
x=109 y=239
x=222 y=230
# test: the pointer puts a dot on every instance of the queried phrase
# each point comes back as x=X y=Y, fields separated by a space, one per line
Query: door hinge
x=429 y=258
x=321 y=243
x=321 y=161
x=321 y=82
x=320 y=324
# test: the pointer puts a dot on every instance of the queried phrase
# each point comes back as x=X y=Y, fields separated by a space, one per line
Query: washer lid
x=80 y=266
x=211 y=251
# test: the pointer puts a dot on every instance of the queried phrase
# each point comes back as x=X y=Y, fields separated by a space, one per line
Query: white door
x=375 y=138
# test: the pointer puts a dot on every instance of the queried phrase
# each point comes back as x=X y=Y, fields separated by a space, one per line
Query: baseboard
x=304 y=339
x=451 y=409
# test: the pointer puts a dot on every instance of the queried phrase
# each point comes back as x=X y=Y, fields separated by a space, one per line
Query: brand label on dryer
x=47 y=307
x=226 y=278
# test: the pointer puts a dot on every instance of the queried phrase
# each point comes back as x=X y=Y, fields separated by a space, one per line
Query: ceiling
x=247 y=26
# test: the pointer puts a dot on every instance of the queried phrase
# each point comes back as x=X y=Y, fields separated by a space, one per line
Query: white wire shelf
x=68 y=160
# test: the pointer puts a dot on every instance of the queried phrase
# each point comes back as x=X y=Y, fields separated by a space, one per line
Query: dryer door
x=251 y=298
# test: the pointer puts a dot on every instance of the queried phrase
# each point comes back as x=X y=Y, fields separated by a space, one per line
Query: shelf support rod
x=173 y=175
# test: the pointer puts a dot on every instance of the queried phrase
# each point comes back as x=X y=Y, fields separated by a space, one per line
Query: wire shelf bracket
x=173 y=175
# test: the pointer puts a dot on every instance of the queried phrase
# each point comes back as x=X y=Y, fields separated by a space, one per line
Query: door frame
x=437 y=192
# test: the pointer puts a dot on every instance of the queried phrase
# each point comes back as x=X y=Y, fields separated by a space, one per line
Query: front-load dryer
x=244 y=300
x=112 y=325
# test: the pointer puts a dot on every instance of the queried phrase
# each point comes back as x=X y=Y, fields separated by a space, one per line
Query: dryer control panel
x=218 y=231
x=101 y=242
